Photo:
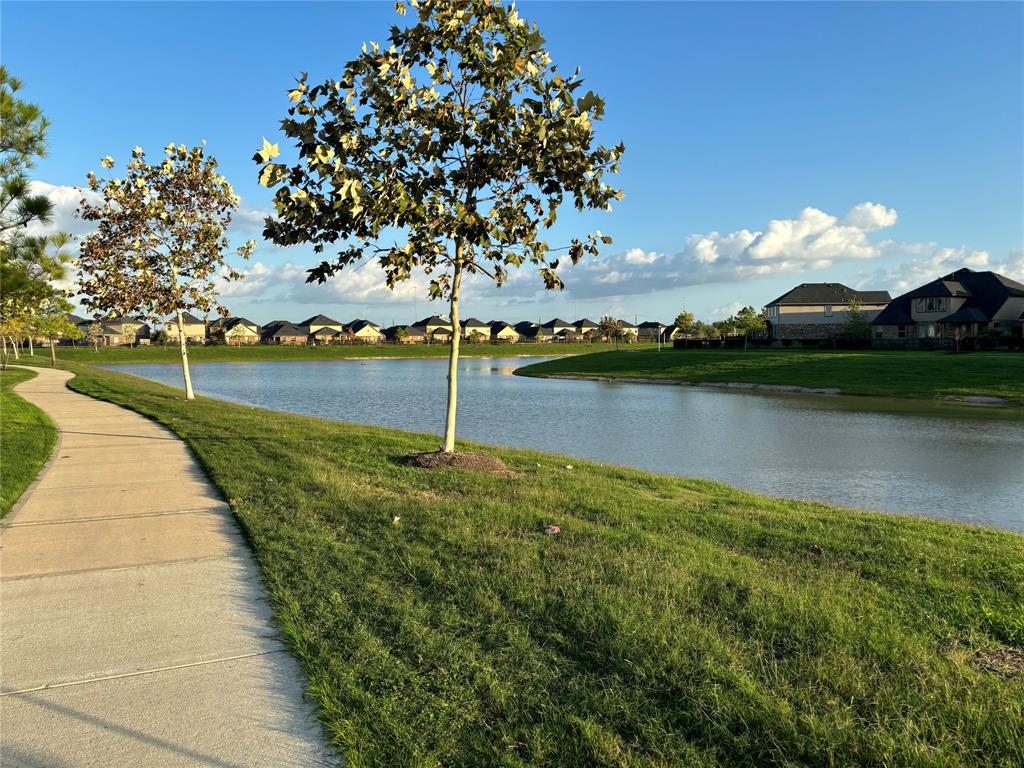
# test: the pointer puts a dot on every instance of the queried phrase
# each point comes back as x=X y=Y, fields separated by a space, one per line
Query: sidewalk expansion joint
x=156 y=670
x=219 y=507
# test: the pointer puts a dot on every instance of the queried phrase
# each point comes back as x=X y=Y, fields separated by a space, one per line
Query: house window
x=828 y=310
x=901 y=331
x=932 y=304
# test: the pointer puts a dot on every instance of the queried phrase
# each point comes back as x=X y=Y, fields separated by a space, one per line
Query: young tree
x=461 y=136
x=685 y=323
x=610 y=328
x=95 y=335
x=477 y=337
x=130 y=332
x=160 y=242
x=857 y=324
x=53 y=324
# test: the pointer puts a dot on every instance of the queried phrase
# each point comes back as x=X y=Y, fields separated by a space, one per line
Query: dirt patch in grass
x=1008 y=662
x=478 y=462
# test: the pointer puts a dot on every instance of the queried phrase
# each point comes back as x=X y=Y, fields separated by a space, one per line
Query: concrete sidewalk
x=135 y=629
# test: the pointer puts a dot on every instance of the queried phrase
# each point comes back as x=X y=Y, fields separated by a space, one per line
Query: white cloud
x=65 y=201
x=812 y=240
x=935 y=261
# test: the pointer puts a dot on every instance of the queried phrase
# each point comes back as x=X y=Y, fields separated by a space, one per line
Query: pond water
x=905 y=458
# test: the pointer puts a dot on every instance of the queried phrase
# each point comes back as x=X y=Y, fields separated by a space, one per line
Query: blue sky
x=733 y=115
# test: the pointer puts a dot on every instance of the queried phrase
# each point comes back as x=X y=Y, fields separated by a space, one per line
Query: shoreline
x=974 y=401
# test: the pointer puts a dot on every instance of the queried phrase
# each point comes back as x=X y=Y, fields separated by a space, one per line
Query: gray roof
x=187 y=317
x=966 y=315
x=320 y=333
x=557 y=321
x=433 y=320
x=584 y=323
x=319 y=320
x=358 y=325
x=829 y=293
x=472 y=322
x=651 y=324
x=283 y=328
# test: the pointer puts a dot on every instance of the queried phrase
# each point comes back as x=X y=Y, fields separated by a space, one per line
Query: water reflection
x=913 y=459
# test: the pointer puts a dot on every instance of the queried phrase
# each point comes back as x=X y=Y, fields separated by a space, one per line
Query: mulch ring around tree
x=478 y=462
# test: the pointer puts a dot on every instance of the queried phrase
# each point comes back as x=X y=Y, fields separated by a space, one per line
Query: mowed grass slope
x=27 y=437
x=883 y=373
x=672 y=623
x=282 y=353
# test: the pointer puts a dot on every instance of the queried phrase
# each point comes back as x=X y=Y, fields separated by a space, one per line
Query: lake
x=907 y=458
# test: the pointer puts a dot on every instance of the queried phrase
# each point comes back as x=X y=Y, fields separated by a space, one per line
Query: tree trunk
x=189 y=394
x=31 y=349
x=448 y=446
x=3 y=359
x=17 y=352
x=53 y=354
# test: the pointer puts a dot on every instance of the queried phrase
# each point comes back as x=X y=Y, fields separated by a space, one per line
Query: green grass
x=672 y=623
x=26 y=439
x=268 y=353
x=887 y=374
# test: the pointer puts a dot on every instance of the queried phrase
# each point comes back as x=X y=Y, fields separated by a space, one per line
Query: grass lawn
x=672 y=623
x=267 y=352
x=887 y=374
x=26 y=438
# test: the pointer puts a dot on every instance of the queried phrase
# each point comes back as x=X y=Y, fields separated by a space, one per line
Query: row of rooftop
x=965 y=299
x=321 y=329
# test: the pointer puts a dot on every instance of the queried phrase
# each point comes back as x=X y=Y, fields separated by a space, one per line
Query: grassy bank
x=672 y=622
x=888 y=374
x=26 y=439
x=270 y=353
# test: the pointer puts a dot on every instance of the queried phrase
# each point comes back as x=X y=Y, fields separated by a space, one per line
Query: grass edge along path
x=27 y=437
x=671 y=622
x=920 y=375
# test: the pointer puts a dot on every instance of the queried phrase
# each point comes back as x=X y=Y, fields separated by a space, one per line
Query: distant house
x=967 y=300
x=558 y=329
x=672 y=332
x=283 y=332
x=364 y=332
x=195 y=329
x=409 y=334
x=316 y=322
x=586 y=329
x=630 y=332
x=437 y=328
x=472 y=325
x=651 y=331
x=123 y=331
x=503 y=333
x=531 y=332
x=234 y=331
x=819 y=310
x=324 y=336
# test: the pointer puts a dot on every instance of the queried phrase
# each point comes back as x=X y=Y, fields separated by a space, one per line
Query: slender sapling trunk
x=17 y=352
x=53 y=354
x=31 y=349
x=189 y=394
x=448 y=446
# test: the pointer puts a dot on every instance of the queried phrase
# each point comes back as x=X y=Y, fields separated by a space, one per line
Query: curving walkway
x=135 y=629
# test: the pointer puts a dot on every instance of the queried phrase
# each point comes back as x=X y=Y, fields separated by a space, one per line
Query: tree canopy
x=450 y=149
x=161 y=237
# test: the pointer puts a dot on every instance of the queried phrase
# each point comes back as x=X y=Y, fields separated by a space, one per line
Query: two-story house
x=820 y=310
x=964 y=301
x=195 y=329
